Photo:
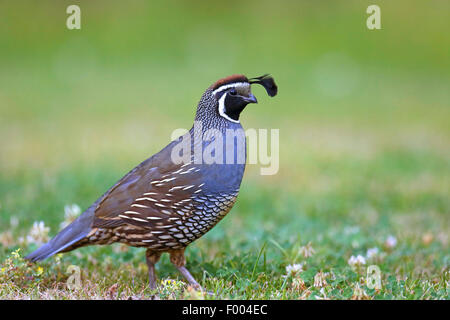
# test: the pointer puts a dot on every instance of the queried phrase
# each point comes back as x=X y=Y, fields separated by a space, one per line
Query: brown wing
x=154 y=193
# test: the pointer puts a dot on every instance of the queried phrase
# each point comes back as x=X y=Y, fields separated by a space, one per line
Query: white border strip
x=231 y=85
x=222 y=109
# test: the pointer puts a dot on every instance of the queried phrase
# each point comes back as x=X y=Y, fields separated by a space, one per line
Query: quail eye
x=233 y=92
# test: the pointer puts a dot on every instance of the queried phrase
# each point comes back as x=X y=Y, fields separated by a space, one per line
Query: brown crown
x=230 y=79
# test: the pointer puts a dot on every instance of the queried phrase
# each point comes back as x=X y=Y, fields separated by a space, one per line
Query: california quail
x=164 y=204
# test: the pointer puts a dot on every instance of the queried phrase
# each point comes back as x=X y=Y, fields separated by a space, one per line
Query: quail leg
x=152 y=258
x=178 y=260
x=185 y=272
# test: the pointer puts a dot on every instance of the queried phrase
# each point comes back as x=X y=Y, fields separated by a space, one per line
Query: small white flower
x=391 y=241
x=372 y=252
x=38 y=234
x=307 y=251
x=294 y=269
x=320 y=279
x=356 y=261
x=71 y=212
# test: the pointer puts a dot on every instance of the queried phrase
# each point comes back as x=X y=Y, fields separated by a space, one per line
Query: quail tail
x=71 y=234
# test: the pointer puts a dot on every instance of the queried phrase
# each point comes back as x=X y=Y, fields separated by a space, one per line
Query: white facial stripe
x=231 y=85
x=222 y=109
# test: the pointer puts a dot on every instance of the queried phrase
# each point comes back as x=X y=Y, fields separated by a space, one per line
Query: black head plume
x=267 y=82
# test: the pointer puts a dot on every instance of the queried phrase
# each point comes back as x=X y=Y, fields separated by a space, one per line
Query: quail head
x=178 y=194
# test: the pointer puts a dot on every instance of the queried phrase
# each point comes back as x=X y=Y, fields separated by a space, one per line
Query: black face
x=233 y=100
x=235 y=103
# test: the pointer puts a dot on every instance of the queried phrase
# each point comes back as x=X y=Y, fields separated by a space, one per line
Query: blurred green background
x=363 y=115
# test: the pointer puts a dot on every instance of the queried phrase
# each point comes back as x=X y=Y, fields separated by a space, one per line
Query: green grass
x=364 y=143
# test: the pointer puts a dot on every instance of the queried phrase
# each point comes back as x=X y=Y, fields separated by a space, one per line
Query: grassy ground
x=364 y=144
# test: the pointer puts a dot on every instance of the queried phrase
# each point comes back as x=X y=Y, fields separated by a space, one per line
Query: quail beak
x=251 y=98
